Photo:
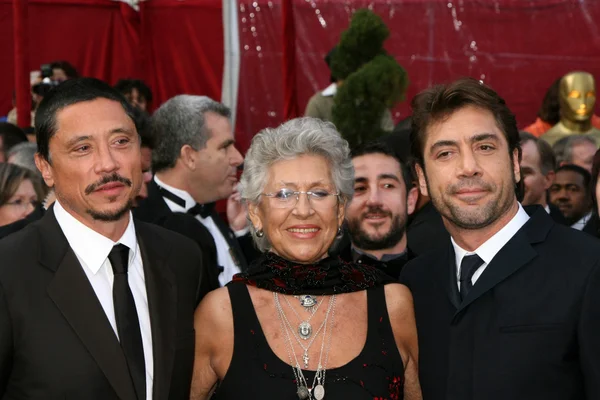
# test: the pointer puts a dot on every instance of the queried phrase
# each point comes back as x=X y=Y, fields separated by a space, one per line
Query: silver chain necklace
x=318 y=387
x=305 y=357
x=305 y=328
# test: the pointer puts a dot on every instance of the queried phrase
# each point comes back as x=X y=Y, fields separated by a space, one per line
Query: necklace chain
x=319 y=379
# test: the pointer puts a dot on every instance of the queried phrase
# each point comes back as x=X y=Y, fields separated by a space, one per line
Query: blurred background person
x=549 y=113
x=570 y=192
x=10 y=135
x=576 y=150
x=537 y=170
x=384 y=197
x=23 y=155
x=143 y=124
x=59 y=71
x=137 y=93
x=20 y=193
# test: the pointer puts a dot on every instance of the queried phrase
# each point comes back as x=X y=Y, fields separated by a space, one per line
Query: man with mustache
x=570 y=192
x=509 y=308
x=95 y=305
x=195 y=162
x=383 y=198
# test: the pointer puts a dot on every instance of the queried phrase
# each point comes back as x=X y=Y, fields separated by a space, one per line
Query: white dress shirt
x=579 y=225
x=488 y=250
x=223 y=255
x=92 y=250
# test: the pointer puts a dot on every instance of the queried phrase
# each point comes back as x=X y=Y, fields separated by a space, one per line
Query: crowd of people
x=455 y=258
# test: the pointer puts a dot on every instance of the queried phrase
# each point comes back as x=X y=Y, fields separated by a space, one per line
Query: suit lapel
x=513 y=256
x=162 y=305
x=74 y=296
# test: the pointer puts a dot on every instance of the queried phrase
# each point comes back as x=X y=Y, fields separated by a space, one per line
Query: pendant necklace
x=305 y=328
x=309 y=302
x=317 y=392
x=305 y=357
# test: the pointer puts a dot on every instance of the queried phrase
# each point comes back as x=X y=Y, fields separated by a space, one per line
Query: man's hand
x=236 y=212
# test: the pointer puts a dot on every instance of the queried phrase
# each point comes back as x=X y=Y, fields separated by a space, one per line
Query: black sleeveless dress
x=256 y=372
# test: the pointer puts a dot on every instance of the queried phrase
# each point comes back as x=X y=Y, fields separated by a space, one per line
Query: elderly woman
x=300 y=324
x=20 y=191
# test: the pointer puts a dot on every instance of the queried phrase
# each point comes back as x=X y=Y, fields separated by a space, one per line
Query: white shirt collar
x=90 y=246
x=579 y=225
x=488 y=250
x=189 y=200
x=547 y=208
x=330 y=90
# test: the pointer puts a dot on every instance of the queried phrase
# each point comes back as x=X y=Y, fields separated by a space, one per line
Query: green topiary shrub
x=373 y=81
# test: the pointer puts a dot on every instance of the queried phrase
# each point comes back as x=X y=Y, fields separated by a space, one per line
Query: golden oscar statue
x=577 y=96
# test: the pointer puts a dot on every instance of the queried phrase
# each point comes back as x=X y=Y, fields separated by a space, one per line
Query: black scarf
x=328 y=276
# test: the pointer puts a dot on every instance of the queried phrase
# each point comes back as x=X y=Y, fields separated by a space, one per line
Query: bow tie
x=204 y=210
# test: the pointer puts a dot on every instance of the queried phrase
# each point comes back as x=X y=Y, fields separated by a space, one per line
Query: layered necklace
x=317 y=391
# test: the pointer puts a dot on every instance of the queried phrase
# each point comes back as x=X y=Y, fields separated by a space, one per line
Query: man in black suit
x=195 y=164
x=92 y=304
x=509 y=309
x=537 y=171
x=384 y=196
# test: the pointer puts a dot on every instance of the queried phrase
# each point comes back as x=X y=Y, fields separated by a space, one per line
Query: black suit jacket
x=426 y=230
x=557 y=215
x=154 y=210
x=529 y=328
x=55 y=339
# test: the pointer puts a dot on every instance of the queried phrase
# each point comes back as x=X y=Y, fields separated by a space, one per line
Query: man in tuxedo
x=195 y=164
x=537 y=170
x=509 y=309
x=95 y=305
x=376 y=217
x=571 y=193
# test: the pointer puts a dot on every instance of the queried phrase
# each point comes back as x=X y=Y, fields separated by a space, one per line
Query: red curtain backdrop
x=176 y=46
x=518 y=47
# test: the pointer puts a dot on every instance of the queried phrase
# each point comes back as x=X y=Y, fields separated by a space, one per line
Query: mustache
x=470 y=183
x=376 y=210
x=114 y=177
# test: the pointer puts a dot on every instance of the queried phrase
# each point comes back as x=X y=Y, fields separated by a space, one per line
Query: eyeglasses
x=287 y=198
x=23 y=203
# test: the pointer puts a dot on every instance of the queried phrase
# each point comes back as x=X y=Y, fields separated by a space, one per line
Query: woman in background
x=20 y=193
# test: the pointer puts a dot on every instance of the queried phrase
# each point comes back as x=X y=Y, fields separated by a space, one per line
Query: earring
x=260 y=233
x=340 y=231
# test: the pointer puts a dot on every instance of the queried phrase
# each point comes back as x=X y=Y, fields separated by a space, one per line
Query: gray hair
x=23 y=154
x=290 y=140
x=180 y=121
x=563 y=148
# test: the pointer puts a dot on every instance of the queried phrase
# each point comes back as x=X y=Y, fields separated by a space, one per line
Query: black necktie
x=468 y=266
x=128 y=324
x=204 y=210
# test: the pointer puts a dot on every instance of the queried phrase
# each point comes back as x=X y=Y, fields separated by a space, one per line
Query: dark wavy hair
x=550 y=109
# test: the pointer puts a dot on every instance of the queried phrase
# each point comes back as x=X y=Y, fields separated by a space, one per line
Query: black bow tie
x=204 y=210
